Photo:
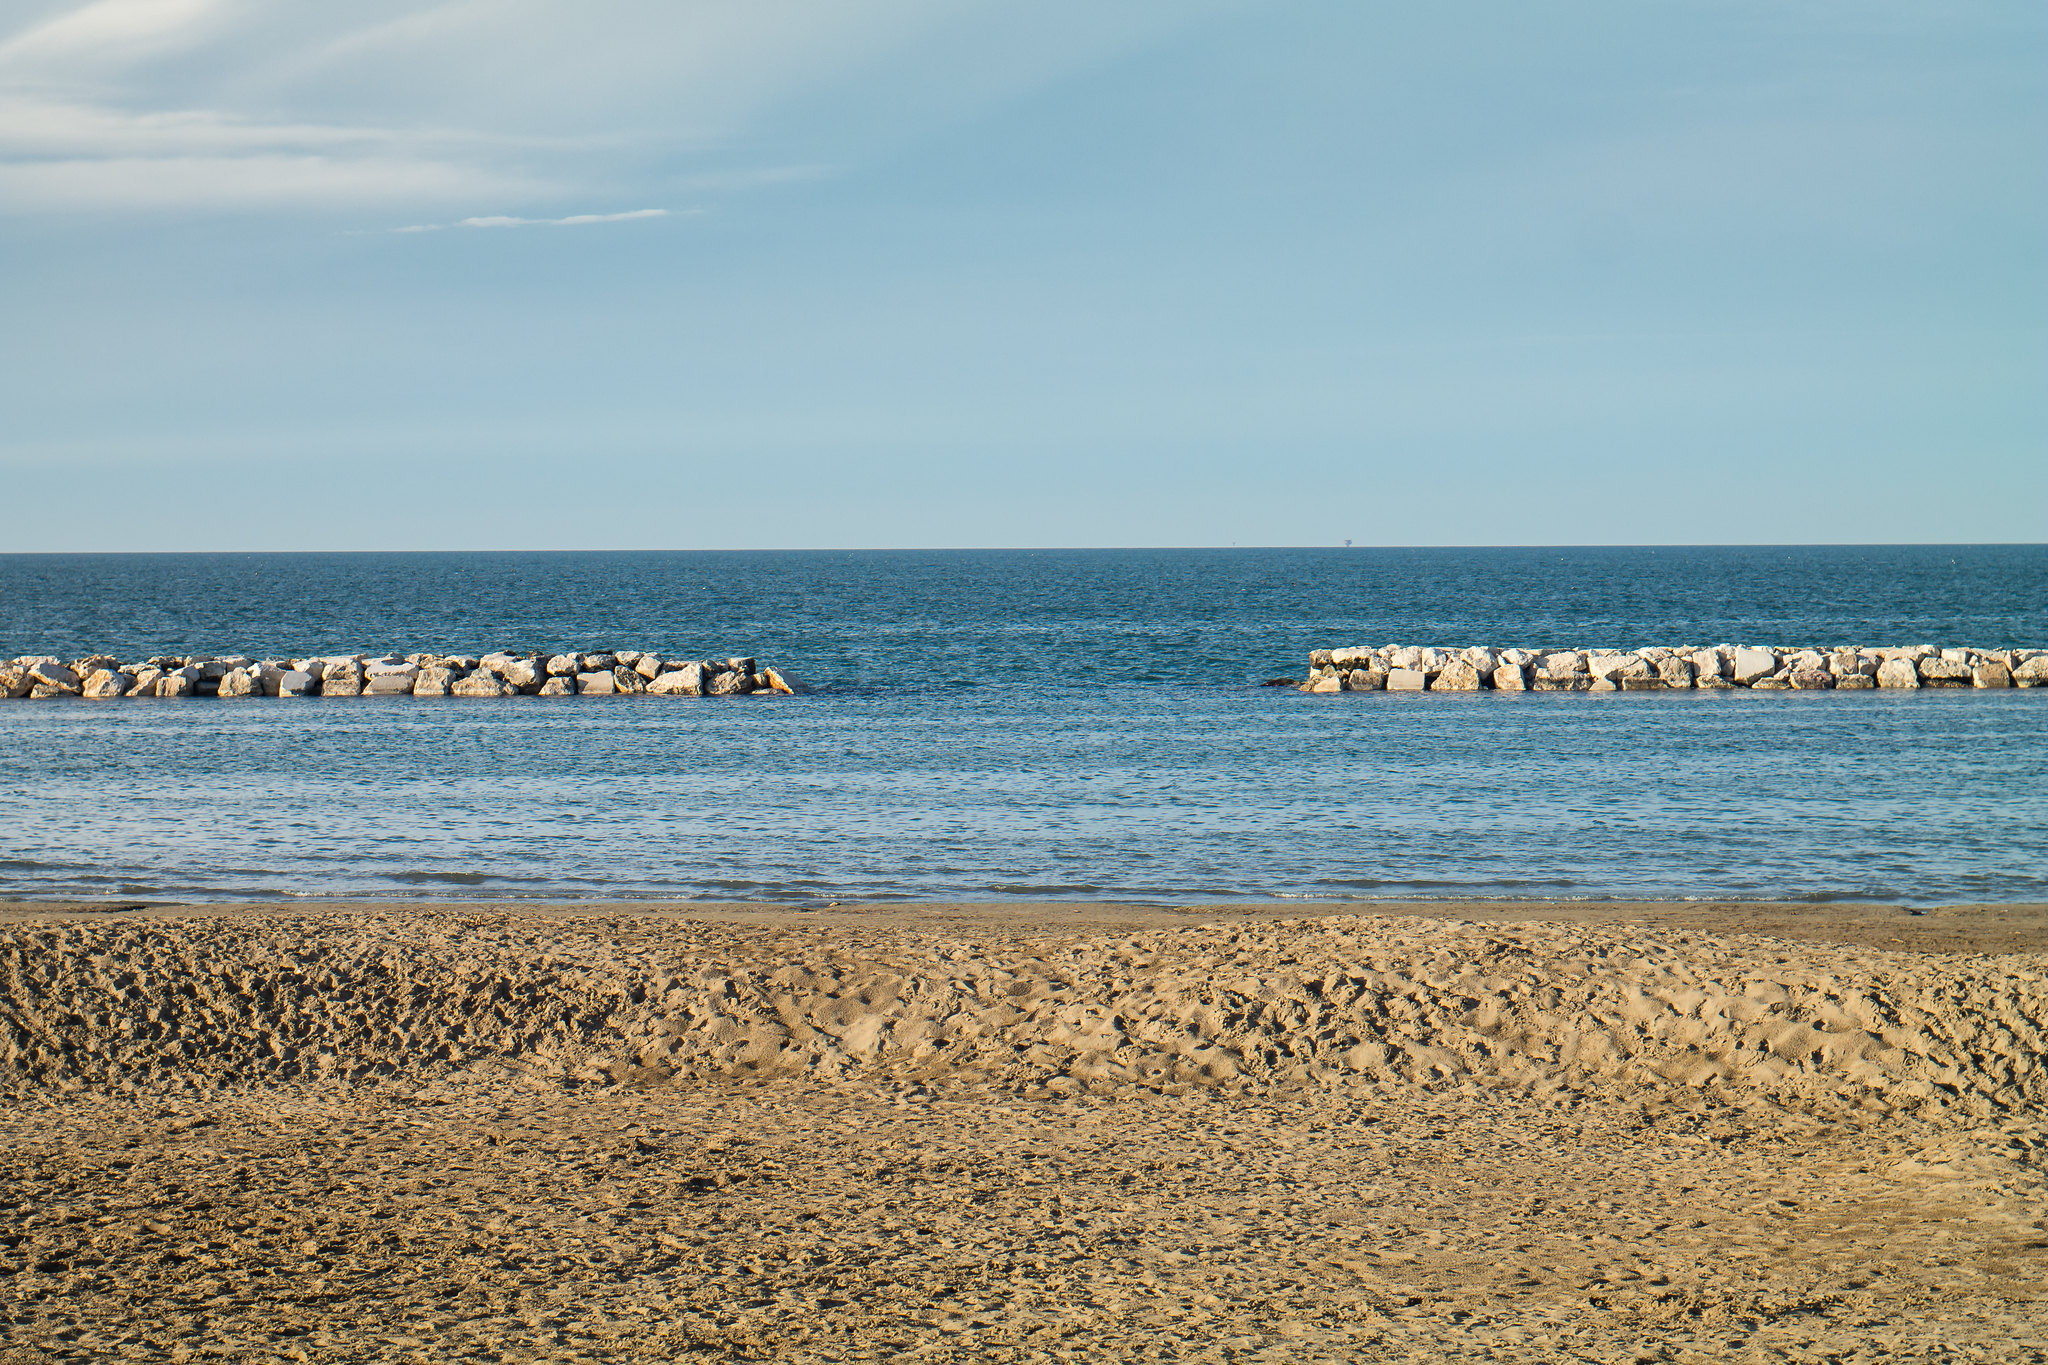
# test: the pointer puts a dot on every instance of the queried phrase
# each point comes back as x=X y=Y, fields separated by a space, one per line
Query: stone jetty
x=594 y=673
x=1414 y=668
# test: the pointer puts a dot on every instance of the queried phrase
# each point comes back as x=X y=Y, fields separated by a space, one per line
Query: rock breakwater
x=1414 y=668
x=599 y=673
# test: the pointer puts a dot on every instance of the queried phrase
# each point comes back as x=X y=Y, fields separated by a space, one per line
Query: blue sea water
x=1030 y=724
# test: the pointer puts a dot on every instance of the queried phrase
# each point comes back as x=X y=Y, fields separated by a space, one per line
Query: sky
x=669 y=274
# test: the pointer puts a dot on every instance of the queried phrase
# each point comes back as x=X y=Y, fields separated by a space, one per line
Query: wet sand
x=957 y=1132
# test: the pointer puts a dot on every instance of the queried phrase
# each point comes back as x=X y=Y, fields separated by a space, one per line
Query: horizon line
x=1059 y=549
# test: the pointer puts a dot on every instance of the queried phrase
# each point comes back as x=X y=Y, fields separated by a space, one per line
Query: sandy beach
x=1596 y=1132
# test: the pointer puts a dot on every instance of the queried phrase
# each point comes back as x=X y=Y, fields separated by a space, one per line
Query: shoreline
x=1963 y=927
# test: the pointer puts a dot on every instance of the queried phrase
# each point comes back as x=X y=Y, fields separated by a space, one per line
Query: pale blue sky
x=936 y=274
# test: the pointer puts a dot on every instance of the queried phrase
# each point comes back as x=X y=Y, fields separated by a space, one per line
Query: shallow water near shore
x=1176 y=794
x=1031 y=725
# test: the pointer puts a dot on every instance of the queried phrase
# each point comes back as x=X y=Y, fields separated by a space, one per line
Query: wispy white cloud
x=148 y=104
x=573 y=220
x=112 y=31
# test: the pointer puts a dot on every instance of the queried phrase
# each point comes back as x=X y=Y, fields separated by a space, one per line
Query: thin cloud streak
x=138 y=105
x=573 y=220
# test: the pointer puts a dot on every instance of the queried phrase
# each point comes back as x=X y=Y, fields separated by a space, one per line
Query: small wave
x=416 y=877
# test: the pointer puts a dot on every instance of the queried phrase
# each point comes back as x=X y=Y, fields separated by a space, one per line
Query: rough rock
x=1897 y=673
x=1365 y=680
x=55 y=679
x=1991 y=675
x=1812 y=679
x=523 y=674
x=145 y=681
x=564 y=666
x=1407 y=680
x=1511 y=678
x=1944 y=671
x=1637 y=668
x=601 y=661
x=179 y=682
x=648 y=666
x=296 y=682
x=433 y=681
x=482 y=683
x=106 y=682
x=1604 y=665
x=731 y=683
x=597 y=683
x=1675 y=671
x=390 y=685
x=558 y=687
x=1457 y=676
x=778 y=681
x=14 y=681
x=2031 y=672
x=687 y=681
x=627 y=681
x=240 y=682
x=1329 y=682
x=1752 y=665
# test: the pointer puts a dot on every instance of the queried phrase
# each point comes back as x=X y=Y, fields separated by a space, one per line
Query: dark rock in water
x=1281 y=682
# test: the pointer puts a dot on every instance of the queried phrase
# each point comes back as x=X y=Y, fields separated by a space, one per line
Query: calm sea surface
x=1030 y=724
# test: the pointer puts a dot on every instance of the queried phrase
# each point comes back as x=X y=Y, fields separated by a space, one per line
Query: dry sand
x=955 y=1132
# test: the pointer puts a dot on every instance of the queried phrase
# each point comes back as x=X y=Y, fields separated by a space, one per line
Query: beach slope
x=1055 y=1132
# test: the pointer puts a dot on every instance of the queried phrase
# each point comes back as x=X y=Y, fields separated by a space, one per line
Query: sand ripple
x=624 y=1000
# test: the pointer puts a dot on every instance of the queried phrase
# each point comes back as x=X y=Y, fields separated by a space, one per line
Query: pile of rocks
x=600 y=673
x=1410 y=668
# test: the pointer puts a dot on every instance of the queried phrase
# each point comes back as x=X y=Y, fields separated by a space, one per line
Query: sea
x=1042 y=724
